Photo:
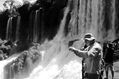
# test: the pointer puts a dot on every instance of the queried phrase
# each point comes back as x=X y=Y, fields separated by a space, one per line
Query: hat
x=89 y=36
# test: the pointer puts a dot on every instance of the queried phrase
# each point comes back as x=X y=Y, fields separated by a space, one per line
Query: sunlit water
x=4 y=63
x=71 y=70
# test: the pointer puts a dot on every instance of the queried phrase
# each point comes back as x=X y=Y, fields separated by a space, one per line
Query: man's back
x=109 y=55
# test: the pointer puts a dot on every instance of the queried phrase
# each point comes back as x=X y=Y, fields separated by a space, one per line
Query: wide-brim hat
x=89 y=36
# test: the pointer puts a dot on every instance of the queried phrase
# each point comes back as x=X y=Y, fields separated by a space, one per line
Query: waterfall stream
x=78 y=17
x=9 y=29
x=35 y=30
x=17 y=28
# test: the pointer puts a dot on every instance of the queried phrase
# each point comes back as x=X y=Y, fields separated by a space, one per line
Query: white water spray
x=4 y=63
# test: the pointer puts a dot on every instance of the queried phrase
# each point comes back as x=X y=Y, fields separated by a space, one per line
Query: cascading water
x=35 y=24
x=17 y=28
x=35 y=29
x=12 y=30
x=97 y=17
x=79 y=17
x=55 y=58
x=4 y=63
x=9 y=29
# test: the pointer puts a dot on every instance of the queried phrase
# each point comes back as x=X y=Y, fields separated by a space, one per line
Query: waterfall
x=96 y=17
x=79 y=17
x=9 y=28
x=4 y=63
x=12 y=30
x=17 y=28
x=35 y=28
x=35 y=24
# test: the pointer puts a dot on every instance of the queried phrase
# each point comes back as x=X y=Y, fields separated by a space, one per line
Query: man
x=92 y=55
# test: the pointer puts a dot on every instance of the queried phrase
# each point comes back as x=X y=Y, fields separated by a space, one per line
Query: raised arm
x=94 y=52
x=78 y=52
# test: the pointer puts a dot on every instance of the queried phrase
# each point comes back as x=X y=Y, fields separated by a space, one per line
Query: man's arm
x=78 y=52
x=94 y=52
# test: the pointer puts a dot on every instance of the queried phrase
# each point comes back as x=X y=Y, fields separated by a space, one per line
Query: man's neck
x=91 y=44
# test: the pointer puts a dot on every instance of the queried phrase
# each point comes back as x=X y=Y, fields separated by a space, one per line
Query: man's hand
x=76 y=51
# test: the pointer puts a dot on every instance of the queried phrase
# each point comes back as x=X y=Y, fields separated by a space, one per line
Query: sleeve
x=93 y=52
x=81 y=53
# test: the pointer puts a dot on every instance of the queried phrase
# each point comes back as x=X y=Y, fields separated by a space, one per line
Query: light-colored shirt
x=92 y=55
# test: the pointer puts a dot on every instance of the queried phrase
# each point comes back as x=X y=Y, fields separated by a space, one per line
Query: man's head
x=89 y=39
